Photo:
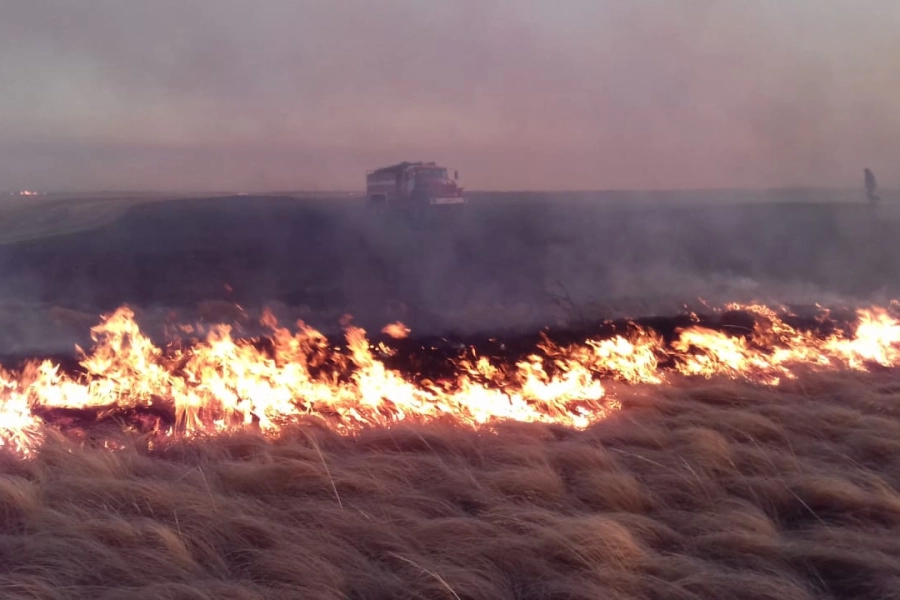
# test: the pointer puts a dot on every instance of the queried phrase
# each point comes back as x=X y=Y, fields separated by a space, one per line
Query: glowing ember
x=224 y=383
x=398 y=331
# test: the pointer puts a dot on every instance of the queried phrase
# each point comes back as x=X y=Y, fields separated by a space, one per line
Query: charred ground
x=512 y=262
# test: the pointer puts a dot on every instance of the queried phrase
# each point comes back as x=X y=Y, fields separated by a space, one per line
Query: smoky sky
x=516 y=94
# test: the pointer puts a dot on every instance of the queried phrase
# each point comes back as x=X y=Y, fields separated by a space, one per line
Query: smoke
x=511 y=263
x=222 y=94
x=216 y=95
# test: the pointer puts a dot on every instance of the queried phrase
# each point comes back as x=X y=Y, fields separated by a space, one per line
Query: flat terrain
x=511 y=261
x=695 y=489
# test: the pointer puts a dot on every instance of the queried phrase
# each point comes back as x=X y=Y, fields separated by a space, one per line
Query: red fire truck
x=414 y=187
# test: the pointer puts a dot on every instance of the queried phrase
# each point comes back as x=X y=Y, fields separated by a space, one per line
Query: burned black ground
x=511 y=262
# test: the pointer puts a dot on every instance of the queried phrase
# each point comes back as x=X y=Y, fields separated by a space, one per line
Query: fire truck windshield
x=432 y=174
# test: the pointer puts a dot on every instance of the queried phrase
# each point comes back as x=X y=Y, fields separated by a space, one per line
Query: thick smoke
x=526 y=260
x=224 y=94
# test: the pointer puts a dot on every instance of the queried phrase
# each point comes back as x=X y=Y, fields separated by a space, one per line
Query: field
x=513 y=262
x=696 y=488
x=715 y=491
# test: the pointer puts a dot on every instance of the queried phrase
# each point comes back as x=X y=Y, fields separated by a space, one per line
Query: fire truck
x=413 y=187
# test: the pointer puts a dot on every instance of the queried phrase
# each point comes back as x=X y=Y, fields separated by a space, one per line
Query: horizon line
x=336 y=191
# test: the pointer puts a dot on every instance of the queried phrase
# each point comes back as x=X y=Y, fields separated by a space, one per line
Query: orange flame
x=223 y=383
x=397 y=330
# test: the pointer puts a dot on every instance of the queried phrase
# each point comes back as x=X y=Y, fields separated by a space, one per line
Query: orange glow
x=222 y=383
x=398 y=331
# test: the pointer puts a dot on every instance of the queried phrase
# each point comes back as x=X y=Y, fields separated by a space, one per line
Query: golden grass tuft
x=710 y=490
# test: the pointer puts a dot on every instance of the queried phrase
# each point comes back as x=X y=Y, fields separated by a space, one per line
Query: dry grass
x=717 y=490
x=37 y=217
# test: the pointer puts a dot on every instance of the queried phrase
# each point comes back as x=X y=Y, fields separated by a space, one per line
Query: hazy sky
x=537 y=94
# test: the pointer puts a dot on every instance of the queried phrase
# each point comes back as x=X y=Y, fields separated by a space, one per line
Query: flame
x=397 y=330
x=222 y=383
x=876 y=340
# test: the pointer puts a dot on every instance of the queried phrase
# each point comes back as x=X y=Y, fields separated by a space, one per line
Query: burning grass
x=750 y=455
x=692 y=490
x=217 y=382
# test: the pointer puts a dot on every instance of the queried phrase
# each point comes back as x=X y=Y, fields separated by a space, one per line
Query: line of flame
x=224 y=383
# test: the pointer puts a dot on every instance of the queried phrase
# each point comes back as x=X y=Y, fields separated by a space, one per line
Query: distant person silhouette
x=871 y=186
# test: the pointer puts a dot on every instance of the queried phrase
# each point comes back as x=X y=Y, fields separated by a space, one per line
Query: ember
x=223 y=383
x=398 y=330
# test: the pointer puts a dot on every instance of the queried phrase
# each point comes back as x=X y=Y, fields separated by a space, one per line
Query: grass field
x=695 y=489
x=37 y=218
x=713 y=490
x=28 y=218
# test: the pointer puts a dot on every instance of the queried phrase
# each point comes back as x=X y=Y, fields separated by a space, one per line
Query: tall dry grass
x=719 y=490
